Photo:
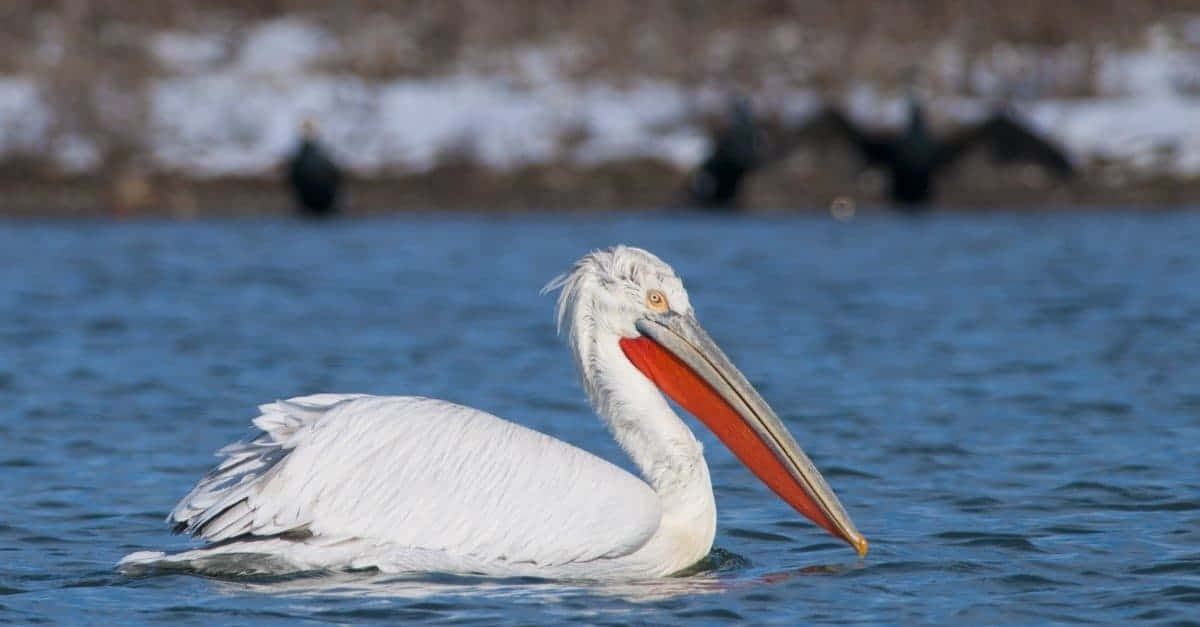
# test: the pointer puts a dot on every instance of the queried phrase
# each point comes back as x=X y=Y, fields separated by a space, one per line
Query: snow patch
x=1160 y=69
x=24 y=118
x=218 y=124
x=187 y=52
x=76 y=154
x=1148 y=134
x=283 y=46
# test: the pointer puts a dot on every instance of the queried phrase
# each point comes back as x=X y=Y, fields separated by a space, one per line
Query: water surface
x=1006 y=404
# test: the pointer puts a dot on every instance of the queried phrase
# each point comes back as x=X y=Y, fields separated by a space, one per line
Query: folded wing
x=418 y=473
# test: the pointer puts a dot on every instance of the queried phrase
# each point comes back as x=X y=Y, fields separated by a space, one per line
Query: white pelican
x=407 y=484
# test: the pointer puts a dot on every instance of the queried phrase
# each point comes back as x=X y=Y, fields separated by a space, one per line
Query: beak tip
x=860 y=544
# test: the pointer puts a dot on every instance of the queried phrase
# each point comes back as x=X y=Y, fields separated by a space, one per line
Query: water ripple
x=980 y=539
x=1006 y=405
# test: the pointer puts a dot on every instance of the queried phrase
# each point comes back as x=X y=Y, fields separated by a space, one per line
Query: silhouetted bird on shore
x=314 y=177
x=737 y=150
x=913 y=157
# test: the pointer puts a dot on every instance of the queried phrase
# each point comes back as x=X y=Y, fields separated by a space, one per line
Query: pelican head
x=629 y=297
x=607 y=292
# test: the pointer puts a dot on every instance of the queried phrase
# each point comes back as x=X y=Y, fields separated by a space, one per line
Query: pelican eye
x=656 y=300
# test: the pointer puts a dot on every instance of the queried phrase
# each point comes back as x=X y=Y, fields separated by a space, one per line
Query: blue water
x=1007 y=404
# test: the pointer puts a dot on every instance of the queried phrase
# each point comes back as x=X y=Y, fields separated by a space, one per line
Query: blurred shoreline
x=621 y=186
x=187 y=108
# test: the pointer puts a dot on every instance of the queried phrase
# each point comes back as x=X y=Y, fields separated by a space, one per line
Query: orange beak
x=677 y=355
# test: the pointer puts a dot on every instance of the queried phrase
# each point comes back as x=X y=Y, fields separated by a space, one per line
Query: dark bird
x=913 y=157
x=737 y=150
x=314 y=177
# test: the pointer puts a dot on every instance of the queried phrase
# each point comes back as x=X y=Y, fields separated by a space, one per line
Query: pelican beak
x=680 y=358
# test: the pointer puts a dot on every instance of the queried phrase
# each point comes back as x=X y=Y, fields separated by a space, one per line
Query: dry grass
x=693 y=40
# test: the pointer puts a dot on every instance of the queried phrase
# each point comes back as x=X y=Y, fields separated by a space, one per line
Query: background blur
x=187 y=107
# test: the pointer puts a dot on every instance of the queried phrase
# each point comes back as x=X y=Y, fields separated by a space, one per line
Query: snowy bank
x=226 y=105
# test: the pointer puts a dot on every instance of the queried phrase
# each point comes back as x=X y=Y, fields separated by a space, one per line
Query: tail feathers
x=142 y=562
x=221 y=561
x=221 y=505
x=270 y=556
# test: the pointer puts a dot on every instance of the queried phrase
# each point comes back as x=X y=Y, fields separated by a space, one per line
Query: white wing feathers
x=419 y=473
